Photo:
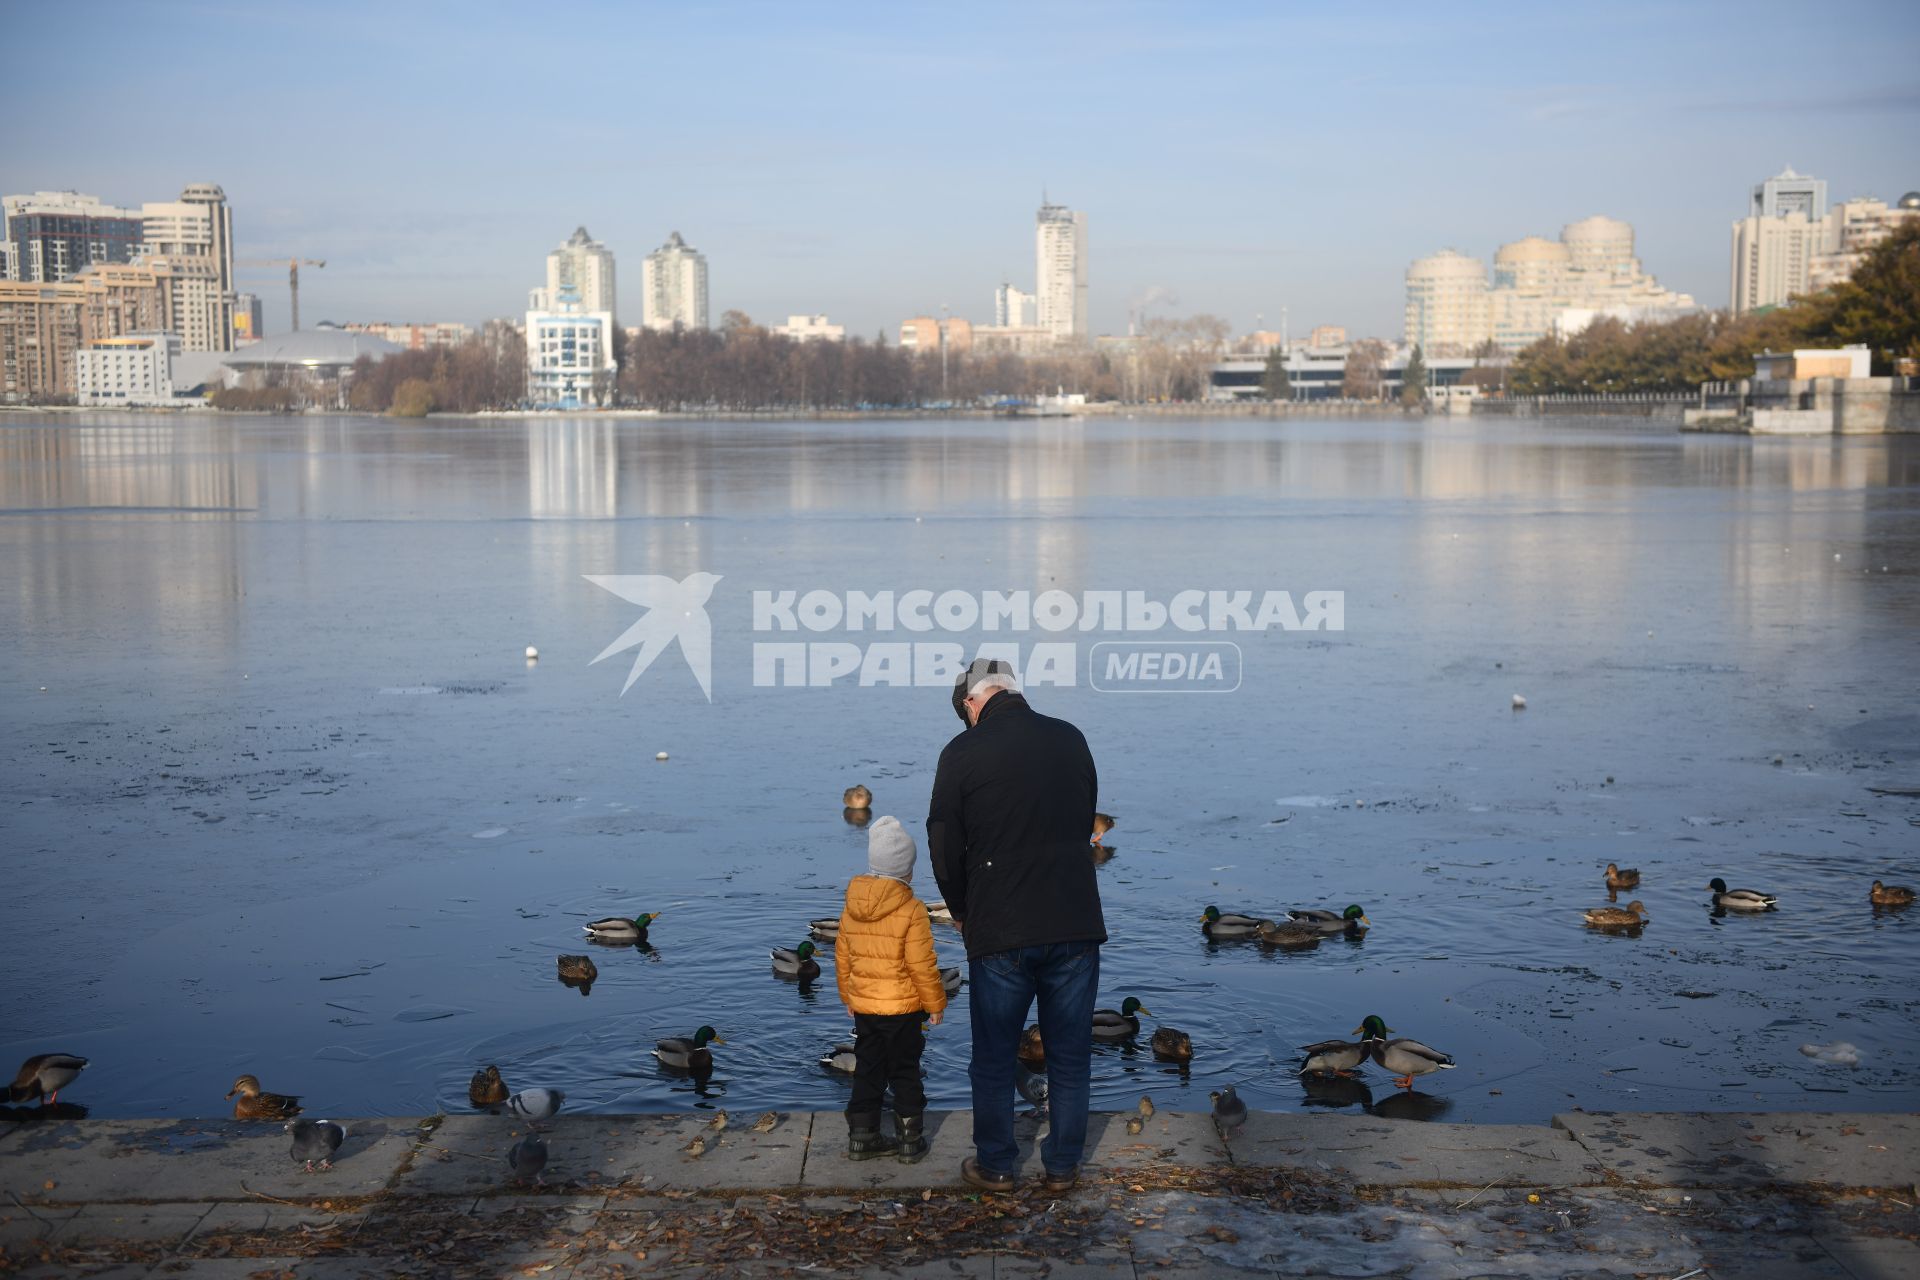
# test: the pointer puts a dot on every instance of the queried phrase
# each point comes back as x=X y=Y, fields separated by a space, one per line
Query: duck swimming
x=487 y=1089
x=796 y=963
x=1121 y=1023
x=1226 y=926
x=1740 y=899
x=1631 y=916
x=1890 y=895
x=856 y=797
x=1618 y=879
x=1353 y=919
x=688 y=1053
x=616 y=929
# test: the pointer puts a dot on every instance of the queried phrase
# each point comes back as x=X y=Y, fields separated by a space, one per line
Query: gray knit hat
x=890 y=850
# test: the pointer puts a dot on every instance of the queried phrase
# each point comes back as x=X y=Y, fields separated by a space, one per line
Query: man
x=1013 y=800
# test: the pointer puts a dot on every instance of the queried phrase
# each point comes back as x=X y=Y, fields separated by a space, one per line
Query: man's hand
x=933 y=1019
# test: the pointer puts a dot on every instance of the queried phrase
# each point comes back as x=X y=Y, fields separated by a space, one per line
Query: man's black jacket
x=1008 y=828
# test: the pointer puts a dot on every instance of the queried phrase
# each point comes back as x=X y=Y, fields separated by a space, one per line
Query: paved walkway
x=1824 y=1197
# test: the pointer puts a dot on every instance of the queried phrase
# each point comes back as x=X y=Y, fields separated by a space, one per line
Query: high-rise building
x=583 y=265
x=249 y=322
x=1447 y=303
x=41 y=326
x=50 y=235
x=674 y=278
x=1772 y=260
x=570 y=361
x=1590 y=269
x=1850 y=231
x=197 y=230
x=1787 y=193
x=1012 y=308
x=1060 y=271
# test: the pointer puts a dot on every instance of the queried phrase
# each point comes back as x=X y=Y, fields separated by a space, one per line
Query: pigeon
x=527 y=1158
x=697 y=1147
x=719 y=1121
x=44 y=1075
x=766 y=1123
x=1229 y=1113
x=535 y=1105
x=315 y=1140
x=1033 y=1087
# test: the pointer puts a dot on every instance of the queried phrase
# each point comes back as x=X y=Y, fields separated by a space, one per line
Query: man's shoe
x=1061 y=1183
x=870 y=1144
x=974 y=1176
x=913 y=1138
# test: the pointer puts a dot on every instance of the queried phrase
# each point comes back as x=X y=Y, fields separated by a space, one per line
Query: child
x=884 y=963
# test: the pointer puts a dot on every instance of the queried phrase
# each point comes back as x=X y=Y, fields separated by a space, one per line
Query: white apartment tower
x=583 y=265
x=1775 y=244
x=674 y=278
x=195 y=233
x=1013 y=308
x=1060 y=271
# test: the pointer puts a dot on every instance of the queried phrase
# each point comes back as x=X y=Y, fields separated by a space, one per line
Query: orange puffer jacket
x=883 y=958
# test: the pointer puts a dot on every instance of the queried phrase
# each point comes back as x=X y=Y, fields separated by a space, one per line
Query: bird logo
x=674 y=610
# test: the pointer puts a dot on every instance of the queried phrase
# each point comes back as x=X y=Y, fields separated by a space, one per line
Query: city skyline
x=1210 y=187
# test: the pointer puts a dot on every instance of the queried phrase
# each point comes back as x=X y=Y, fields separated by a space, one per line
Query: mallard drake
x=44 y=1075
x=1121 y=1023
x=1333 y=1057
x=857 y=797
x=1882 y=895
x=615 y=929
x=1170 y=1044
x=1353 y=918
x=1102 y=823
x=1618 y=879
x=951 y=978
x=1224 y=926
x=939 y=913
x=487 y=1089
x=797 y=963
x=1740 y=899
x=256 y=1104
x=688 y=1053
x=1403 y=1058
x=314 y=1140
x=578 y=971
x=1031 y=1052
x=1291 y=935
x=825 y=929
x=535 y=1105
x=1229 y=1112
x=840 y=1060
x=1633 y=915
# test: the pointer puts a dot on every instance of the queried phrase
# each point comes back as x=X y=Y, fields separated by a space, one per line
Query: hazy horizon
x=874 y=164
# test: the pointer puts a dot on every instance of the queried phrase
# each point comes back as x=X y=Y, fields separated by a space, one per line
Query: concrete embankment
x=1706 y=1195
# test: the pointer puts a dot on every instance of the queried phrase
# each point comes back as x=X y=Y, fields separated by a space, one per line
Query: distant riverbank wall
x=1808 y=407
x=1655 y=408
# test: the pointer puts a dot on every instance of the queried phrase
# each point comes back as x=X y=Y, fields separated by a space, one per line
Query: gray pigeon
x=535 y=1105
x=1033 y=1087
x=527 y=1158
x=1229 y=1113
x=315 y=1140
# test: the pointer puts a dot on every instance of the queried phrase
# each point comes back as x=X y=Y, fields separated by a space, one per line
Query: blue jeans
x=1002 y=986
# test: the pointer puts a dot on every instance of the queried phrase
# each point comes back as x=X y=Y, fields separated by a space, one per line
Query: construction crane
x=293 y=266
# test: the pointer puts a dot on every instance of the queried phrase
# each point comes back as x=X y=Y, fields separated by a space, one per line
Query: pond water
x=279 y=792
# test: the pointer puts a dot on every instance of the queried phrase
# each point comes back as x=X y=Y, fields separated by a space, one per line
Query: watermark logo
x=674 y=611
x=1143 y=642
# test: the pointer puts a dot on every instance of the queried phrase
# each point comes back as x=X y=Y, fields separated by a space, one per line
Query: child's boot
x=912 y=1134
x=866 y=1142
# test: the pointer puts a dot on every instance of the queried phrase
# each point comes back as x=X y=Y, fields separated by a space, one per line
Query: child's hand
x=933 y=1019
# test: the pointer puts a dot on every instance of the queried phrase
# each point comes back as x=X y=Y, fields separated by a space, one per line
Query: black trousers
x=886 y=1054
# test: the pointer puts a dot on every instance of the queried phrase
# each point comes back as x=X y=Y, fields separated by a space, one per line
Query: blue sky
x=873 y=162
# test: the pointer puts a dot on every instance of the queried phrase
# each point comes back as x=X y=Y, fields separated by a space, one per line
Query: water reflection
x=1412 y=1104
